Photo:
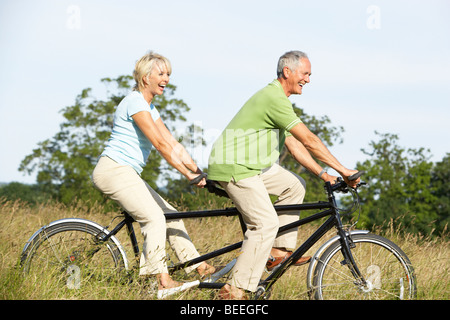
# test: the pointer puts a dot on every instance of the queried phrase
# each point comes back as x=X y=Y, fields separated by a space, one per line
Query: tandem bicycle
x=353 y=264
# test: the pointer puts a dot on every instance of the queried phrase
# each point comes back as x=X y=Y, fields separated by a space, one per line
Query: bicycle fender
x=94 y=224
x=319 y=252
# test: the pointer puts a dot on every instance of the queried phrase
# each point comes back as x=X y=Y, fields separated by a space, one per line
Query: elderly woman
x=138 y=129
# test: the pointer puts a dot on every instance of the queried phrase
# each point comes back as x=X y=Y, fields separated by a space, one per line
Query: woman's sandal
x=164 y=293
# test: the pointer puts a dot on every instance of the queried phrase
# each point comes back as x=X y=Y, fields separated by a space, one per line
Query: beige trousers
x=251 y=197
x=124 y=185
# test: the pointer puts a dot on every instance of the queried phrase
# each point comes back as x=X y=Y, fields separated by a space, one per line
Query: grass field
x=430 y=256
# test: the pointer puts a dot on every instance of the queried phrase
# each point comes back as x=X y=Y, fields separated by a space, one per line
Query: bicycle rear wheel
x=385 y=267
x=71 y=252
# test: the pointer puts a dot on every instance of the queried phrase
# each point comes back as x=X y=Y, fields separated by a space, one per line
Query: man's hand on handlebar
x=353 y=179
x=329 y=178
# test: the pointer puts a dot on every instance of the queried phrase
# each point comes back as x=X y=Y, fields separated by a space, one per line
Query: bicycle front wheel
x=387 y=271
x=71 y=252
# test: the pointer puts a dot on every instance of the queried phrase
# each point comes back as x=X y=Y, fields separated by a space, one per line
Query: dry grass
x=429 y=256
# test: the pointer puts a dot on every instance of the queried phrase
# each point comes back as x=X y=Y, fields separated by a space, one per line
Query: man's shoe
x=273 y=262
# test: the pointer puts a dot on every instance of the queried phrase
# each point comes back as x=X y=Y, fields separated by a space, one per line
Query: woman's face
x=157 y=79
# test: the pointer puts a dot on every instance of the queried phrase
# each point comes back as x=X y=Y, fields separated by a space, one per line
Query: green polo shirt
x=253 y=139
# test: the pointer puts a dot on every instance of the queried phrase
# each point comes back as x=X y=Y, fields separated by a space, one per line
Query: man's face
x=296 y=79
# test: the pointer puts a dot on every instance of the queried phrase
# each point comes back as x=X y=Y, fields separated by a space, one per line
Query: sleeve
x=135 y=105
x=283 y=115
x=154 y=112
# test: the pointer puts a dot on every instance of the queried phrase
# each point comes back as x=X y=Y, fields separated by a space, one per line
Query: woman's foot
x=205 y=269
x=167 y=286
x=166 y=282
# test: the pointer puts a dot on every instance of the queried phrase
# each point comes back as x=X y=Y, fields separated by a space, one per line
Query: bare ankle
x=205 y=268
x=278 y=252
x=165 y=281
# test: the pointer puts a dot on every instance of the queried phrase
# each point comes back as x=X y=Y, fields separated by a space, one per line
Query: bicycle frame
x=329 y=209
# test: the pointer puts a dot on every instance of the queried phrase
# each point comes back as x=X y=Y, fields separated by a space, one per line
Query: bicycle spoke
x=386 y=274
x=70 y=253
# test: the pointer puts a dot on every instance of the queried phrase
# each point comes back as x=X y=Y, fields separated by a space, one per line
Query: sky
x=376 y=65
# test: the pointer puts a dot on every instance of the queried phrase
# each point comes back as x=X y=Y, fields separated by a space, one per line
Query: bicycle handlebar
x=211 y=185
x=356 y=175
x=198 y=179
x=342 y=186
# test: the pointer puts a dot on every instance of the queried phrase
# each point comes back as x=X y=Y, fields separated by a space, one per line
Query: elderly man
x=244 y=161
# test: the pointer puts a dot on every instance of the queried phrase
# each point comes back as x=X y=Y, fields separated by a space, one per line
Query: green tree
x=24 y=192
x=399 y=186
x=64 y=163
x=440 y=178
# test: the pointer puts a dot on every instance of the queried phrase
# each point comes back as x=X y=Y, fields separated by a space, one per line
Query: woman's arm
x=144 y=121
x=181 y=152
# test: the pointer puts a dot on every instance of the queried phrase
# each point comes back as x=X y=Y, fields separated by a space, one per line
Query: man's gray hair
x=291 y=60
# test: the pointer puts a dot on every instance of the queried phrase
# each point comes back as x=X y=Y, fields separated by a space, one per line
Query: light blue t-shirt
x=127 y=144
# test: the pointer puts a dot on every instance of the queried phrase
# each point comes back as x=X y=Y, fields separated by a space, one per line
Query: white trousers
x=251 y=197
x=124 y=185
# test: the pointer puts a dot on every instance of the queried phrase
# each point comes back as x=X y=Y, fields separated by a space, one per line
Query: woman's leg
x=124 y=185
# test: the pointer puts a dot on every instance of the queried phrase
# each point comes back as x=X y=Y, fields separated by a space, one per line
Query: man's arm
x=315 y=146
x=302 y=156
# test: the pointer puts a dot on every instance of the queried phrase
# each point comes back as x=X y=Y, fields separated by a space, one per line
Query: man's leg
x=253 y=202
x=290 y=189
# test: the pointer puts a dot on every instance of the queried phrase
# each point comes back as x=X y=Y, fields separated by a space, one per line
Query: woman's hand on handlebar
x=198 y=179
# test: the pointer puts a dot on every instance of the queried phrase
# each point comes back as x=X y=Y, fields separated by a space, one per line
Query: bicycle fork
x=346 y=243
x=346 y=246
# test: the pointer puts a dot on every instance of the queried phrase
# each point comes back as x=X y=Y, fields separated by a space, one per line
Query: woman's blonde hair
x=145 y=65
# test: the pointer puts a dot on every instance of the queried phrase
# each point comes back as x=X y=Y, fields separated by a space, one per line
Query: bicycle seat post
x=129 y=223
